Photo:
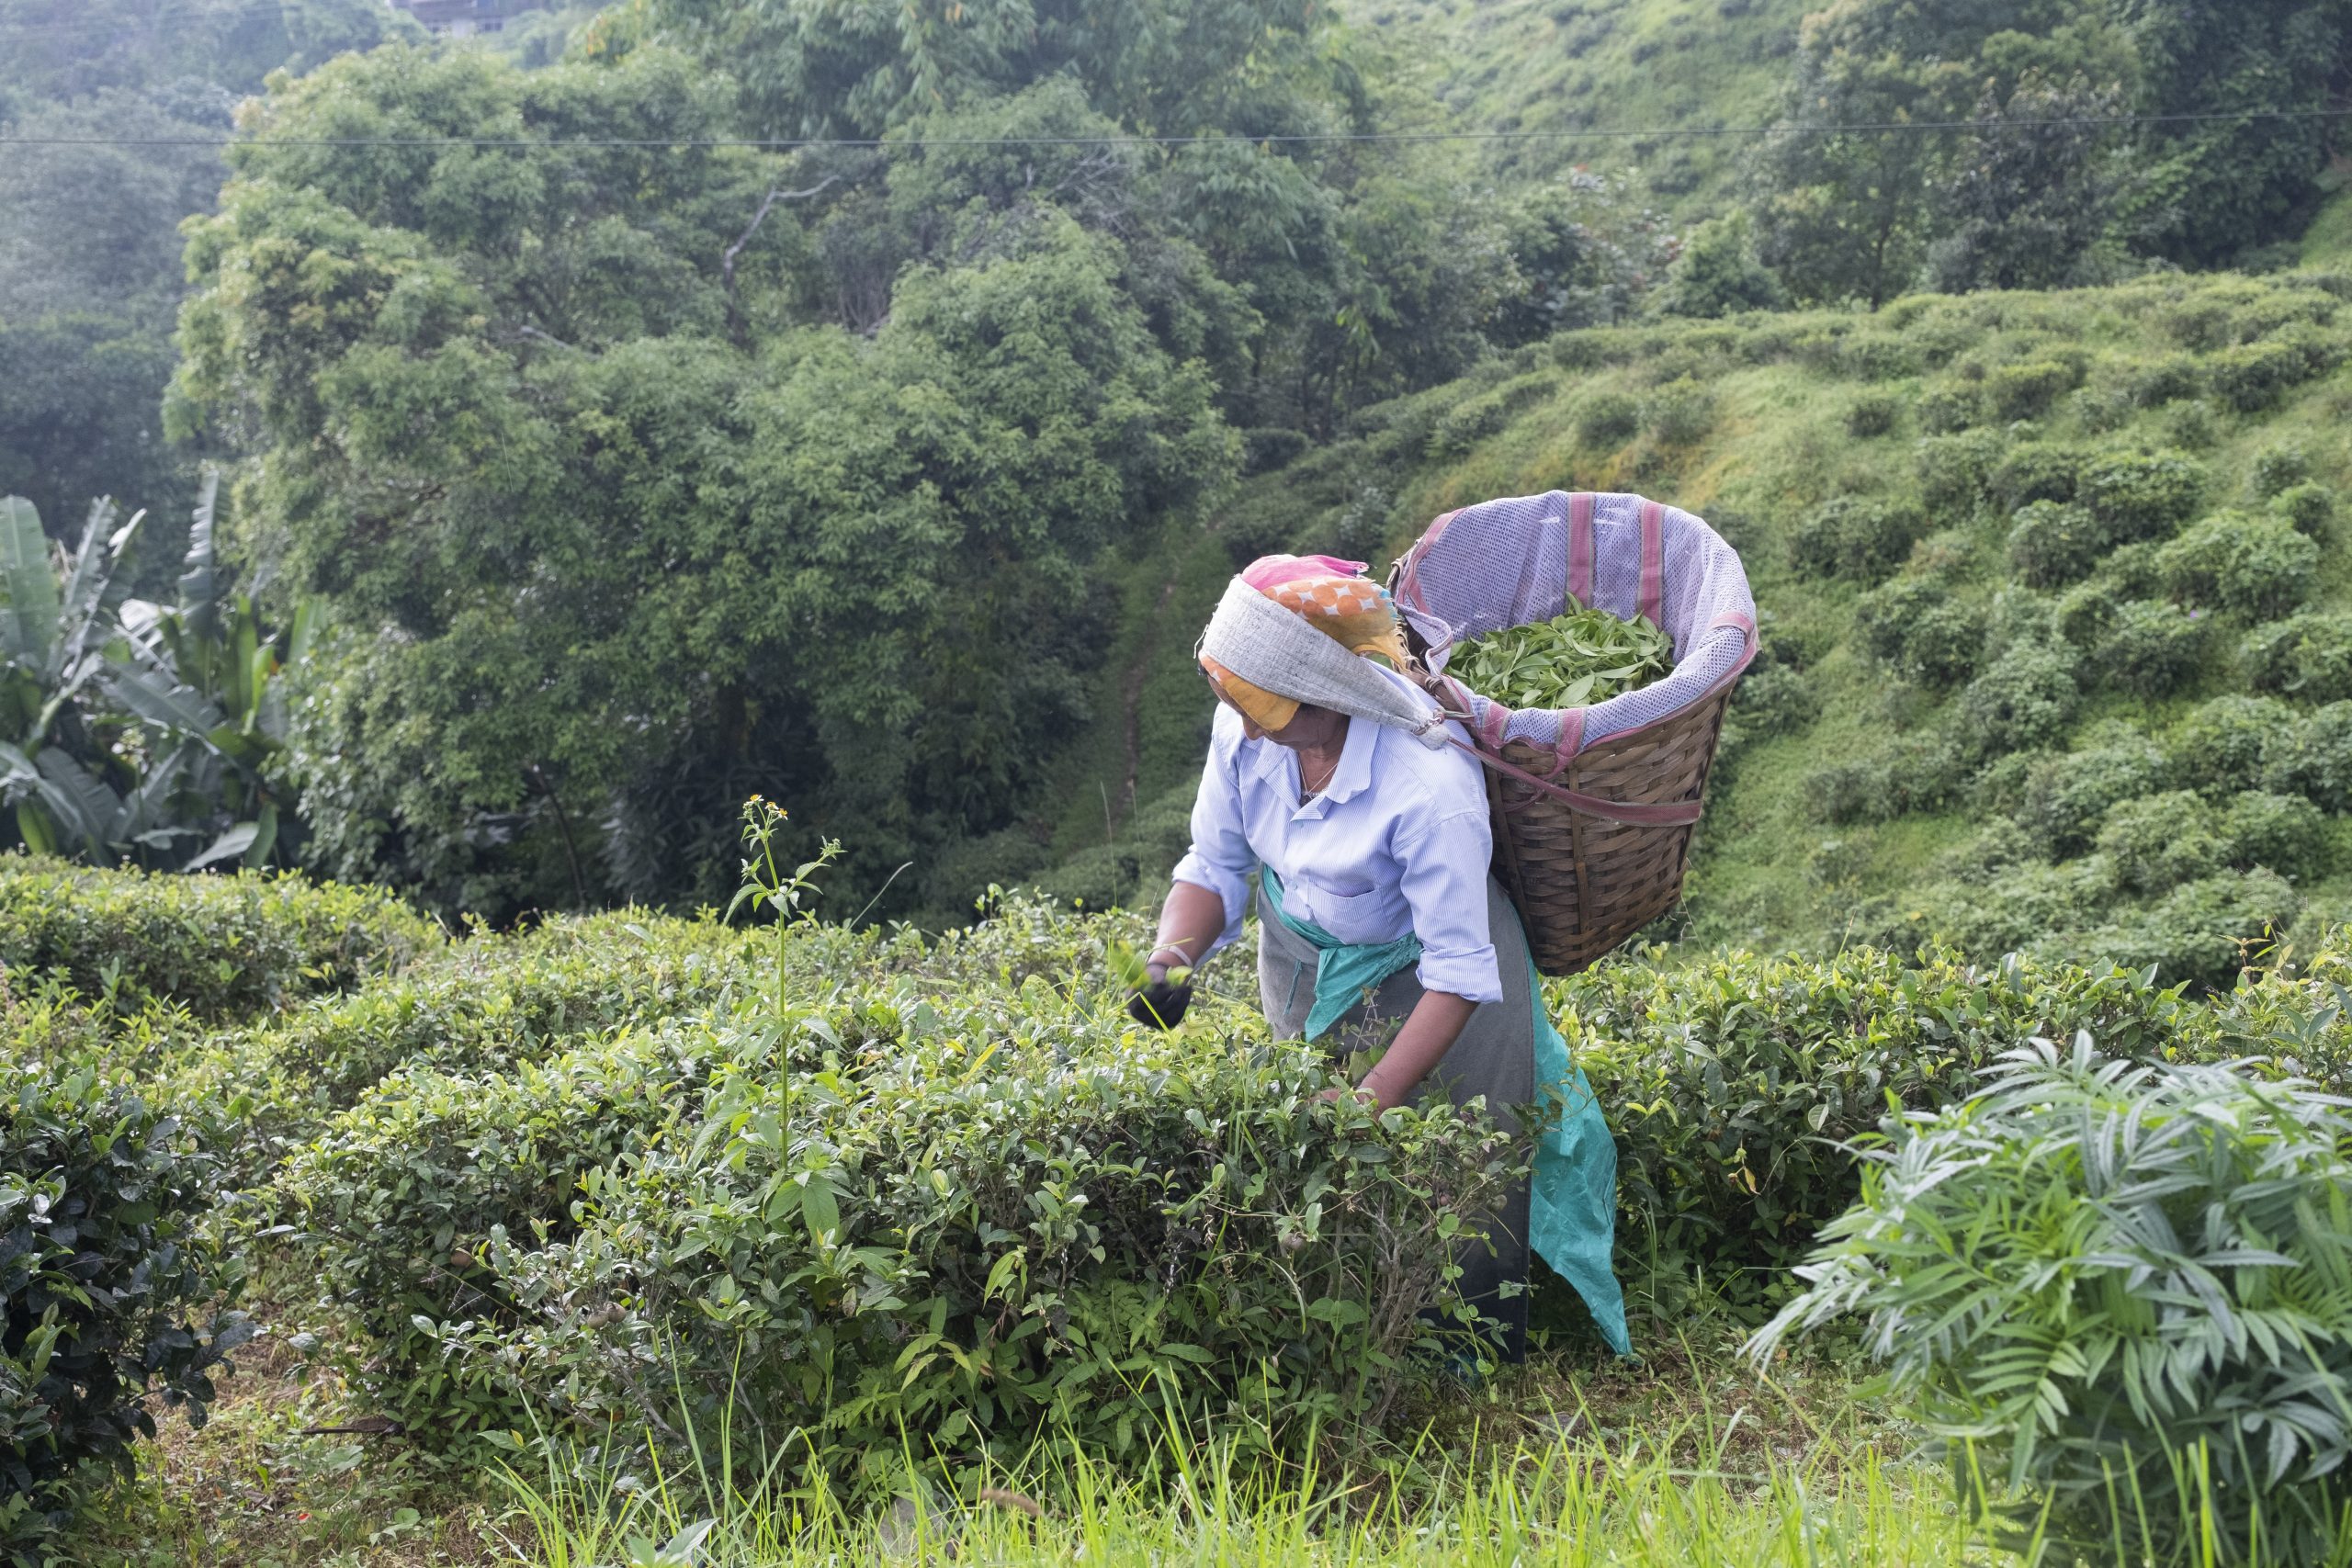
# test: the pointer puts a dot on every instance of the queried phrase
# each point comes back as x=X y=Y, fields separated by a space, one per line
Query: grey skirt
x=1494 y=1057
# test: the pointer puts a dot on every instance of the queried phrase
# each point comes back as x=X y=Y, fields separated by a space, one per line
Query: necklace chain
x=1317 y=786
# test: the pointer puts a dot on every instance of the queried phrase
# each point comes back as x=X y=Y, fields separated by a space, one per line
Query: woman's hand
x=1161 y=1003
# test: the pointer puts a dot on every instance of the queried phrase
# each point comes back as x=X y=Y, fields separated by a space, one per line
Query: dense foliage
x=111 y=1289
x=2119 y=1293
x=1574 y=660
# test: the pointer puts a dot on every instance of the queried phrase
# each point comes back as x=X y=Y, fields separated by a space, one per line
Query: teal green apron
x=1572 y=1208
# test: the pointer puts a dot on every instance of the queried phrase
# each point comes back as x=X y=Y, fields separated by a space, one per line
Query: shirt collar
x=1279 y=766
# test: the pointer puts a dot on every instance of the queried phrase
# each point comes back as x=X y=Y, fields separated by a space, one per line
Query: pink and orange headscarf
x=1334 y=598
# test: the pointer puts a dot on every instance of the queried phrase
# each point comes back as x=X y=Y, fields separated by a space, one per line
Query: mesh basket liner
x=1508 y=562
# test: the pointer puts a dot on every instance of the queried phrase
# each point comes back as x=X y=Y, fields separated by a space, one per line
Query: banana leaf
x=28 y=626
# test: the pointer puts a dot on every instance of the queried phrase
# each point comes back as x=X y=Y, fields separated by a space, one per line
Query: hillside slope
x=1605 y=67
x=2058 y=623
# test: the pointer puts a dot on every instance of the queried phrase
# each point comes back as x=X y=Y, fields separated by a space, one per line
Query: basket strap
x=1652 y=599
x=1734 y=618
x=1580 y=546
x=1491 y=728
x=1666 y=814
x=1571 y=739
x=1409 y=575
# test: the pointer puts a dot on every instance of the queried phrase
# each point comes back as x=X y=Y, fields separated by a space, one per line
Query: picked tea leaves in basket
x=1572 y=661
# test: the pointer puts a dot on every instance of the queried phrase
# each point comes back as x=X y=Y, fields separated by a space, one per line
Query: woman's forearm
x=1430 y=1028
x=1188 y=924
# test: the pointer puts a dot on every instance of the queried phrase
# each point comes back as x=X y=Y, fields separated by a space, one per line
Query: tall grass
x=1565 y=1501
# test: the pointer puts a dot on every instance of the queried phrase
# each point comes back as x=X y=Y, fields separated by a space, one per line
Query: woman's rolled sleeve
x=1445 y=884
x=1220 y=859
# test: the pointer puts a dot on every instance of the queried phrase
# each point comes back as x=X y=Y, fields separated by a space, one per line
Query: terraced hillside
x=2058 y=626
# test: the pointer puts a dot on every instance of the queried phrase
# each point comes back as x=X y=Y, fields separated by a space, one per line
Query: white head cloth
x=1275 y=649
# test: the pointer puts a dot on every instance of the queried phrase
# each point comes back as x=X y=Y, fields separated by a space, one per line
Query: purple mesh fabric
x=1505 y=563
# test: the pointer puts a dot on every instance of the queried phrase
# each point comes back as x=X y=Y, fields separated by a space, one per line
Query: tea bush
x=1862 y=537
x=2313 y=758
x=2066 y=798
x=1915 y=624
x=922 y=1205
x=481 y=1006
x=111 y=1289
x=2052 y=545
x=224 y=946
x=2201 y=934
x=1871 y=414
x=2308 y=657
x=1944 y=409
x=1730 y=1083
x=1679 y=412
x=2135 y=1280
x=2161 y=841
x=1606 y=418
x=2258 y=567
x=2308 y=508
x=2222 y=746
x=2027 y=390
x=2150 y=648
x=2036 y=470
x=393 y=1207
x=2023 y=700
x=2142 y=496
x=2279 y=468
x=2275 y=832
x=2252 y=376
x=1955 y=471
x=2168 y=381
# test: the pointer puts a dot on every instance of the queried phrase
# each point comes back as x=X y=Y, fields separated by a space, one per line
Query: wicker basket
x=1591 y=841
x=1584 y=880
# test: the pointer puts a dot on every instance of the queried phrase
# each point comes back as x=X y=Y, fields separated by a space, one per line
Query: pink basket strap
x=1408 y=577
x=1491 y=726
x=1653 y=599
x=1571 y=739
x=1580 y=546
x=1669 y=814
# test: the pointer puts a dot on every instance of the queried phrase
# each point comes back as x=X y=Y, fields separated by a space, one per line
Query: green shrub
x=481 y=1006
x=1955 y=471
x=110 y=1291
x=1023 y=1219
x=221 y=945
x=2150 y=648
x=2308 y=508
x=1730 y=1083
x=2135 y=1277
x=1872 y=413
x=2036 y=470
x=2274 y=832
x=2167 y=380
x=1680 y=413
x=2139 y=496
x=2258 y=567
x=2221 y=747
x=1857 y=537
x=1943 y=409
x=2052 y=545
x=2066 y=798
x=2084 y=614
x=2200 y=934
x=2159 y=841
x=2254 y=376
x=2279 y=468
x=2027 y=390
x=2309 y=657
x=1607 y=418
x=1473 y=418
x=394 y=1206
x=1878 y=356
x=2313 y=758
x=2022 y=701
x=1915 y=624
x=1776 y=700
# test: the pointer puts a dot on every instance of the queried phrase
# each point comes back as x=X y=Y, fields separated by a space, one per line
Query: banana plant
x=134 y=728
x=56 y=629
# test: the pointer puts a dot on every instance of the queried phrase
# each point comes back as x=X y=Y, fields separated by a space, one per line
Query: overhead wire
x=811 y=144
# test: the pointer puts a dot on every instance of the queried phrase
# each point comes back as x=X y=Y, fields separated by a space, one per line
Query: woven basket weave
x=1592 y=839
x=1582 y=882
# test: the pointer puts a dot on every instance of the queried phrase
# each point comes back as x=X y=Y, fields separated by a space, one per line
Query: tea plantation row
x=598 y=1173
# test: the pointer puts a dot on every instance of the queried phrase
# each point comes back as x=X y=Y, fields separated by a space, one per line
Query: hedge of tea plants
x=599 y=1173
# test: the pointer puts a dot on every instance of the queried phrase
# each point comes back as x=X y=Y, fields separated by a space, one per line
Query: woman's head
x=1328 y=594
